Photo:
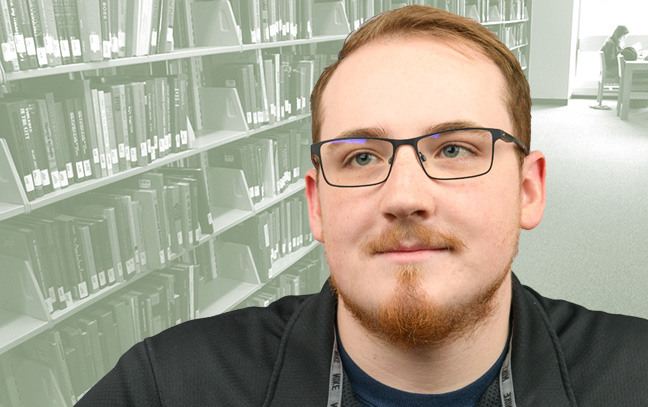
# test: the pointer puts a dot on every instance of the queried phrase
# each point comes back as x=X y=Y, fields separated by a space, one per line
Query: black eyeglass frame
x=496 y=134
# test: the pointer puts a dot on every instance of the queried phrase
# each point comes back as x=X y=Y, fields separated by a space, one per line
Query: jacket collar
x=539 y=371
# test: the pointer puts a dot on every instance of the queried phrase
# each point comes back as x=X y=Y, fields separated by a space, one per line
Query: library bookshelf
x=218 y=269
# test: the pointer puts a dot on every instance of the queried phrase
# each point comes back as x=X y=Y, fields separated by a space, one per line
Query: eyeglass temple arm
x=511 y=139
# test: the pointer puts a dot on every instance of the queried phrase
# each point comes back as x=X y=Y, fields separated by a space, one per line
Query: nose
x=406 y=193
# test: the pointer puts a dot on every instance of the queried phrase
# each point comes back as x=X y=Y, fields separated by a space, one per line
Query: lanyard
x=337 y=373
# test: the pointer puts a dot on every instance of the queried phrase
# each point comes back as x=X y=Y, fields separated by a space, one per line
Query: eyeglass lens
x=446 y=155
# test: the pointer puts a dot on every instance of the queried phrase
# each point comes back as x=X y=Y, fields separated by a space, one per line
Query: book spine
x=86 y=144
x=139 y=117
x=90 y=277
x=106 y=44
x=37 y=134
x=61 y=28
x=139 y=233
x=67 y=173
x=155 y=24
x=122 y=18
x=72 y=24
x=9 y=55
x=100 y=152
x=22 y=12
x=90 y=26
x=58 y=173
x=74 y=143
x=37 y=30
x=28 y=133
x=50 y=32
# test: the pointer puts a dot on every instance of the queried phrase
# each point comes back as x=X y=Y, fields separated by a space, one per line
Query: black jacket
x=563 y=355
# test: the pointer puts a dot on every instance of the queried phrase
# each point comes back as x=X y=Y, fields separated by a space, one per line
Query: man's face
x=403 y=87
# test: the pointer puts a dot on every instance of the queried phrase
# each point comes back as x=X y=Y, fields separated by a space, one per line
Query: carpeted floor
x=592 y=244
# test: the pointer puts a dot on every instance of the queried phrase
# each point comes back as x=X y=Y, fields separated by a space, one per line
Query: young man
x=423 y=179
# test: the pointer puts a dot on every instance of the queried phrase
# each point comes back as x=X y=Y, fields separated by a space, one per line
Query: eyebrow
x=380 y=132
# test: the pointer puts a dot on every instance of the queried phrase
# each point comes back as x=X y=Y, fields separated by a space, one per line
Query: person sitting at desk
x=611 y=48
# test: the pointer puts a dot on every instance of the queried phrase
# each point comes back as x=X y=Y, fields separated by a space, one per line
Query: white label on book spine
x=170 y=35
x=47 y=40
x=95 y=282
x=120 y=270
x=168 y=141
x=154 y=38
x=266 y=234
x=65 y=48
x=162 y=257
x=121 y=38
x=7 y=53
x=133 y=154
x=87 y=167
x=83 y=289
x=180 y=238
x=257 y=191
x=184 y=137
x=79 y=168
x=68 y=299
x=95 y=156
x=95 y=43
x=102 y=160
x=50 y=305
x=102 y=278
x=249 y=117
x=61 y=294
x=177 y=141
x=209 y=218
x=56 y=48
x=122 y=153
x=76 y=47
x=56 y=181
x=45 y=177
x=115 y=45
x=64 y=178
x=29 y=183
x=130 y=266
x=107 y=46
x=20 y=43
x=169 y=253
x=111 y=275
x=38 y=181
x=30 y=45
x=114 y=157
x=143 y=258
x=70 y=170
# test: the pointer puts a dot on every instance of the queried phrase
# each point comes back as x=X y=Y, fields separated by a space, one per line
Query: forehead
x=406 y=85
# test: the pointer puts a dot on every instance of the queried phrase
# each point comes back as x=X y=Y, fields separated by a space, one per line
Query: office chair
x=604 y=83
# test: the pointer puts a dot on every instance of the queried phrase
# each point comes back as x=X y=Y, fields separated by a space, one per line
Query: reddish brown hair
x=440 y=25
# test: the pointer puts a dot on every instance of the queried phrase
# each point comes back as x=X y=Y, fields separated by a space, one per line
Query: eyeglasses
x=446 y=155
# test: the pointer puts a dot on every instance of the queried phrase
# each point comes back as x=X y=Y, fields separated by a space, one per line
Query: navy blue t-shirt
x=372 y=393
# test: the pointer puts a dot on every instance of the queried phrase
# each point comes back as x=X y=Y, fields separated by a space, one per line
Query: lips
x=407 y=248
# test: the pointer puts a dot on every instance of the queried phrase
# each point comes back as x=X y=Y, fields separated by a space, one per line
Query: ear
x=314 y=209
x=532 y=191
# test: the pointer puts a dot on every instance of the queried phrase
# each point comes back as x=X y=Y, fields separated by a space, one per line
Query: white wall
x=553 y=41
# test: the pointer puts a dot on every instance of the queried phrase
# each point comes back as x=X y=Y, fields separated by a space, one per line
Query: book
x=150 y=226
x=90 y=328
x=203 y=209
x=109 y=338
x=34 y=15
x=36 y=383
x=123 y=320
x=23 y=28
x=8 y=43
x=13 y=133
x=90 y=30
x=76 y=358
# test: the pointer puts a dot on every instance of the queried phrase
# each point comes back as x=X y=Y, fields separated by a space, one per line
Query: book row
x=69 y=359
x=272 y=234
x=270 y=88
x=68 y=131
x=270 y=161
x=41 y=33
x=358 y=11
x=98 y=239
x=77 y=353
x=304 y=277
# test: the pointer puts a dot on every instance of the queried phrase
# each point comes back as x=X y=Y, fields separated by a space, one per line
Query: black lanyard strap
x=337 y=374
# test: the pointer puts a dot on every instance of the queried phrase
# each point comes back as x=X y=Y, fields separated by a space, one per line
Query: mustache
x=413 y=232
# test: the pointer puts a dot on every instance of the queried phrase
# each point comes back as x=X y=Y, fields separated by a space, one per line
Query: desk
x=626 y=91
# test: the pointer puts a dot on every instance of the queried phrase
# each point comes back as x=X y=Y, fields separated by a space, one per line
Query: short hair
x=427 y=22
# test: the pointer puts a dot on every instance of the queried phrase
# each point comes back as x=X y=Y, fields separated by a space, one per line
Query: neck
x=430 y=370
